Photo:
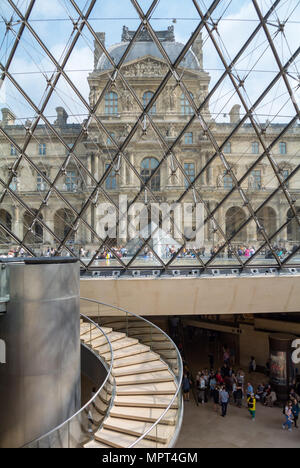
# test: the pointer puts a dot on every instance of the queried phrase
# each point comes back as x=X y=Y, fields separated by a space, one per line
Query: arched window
x=5 y=220
x=63 y=222
x=255 y=147
x=111 y=103
x=148 y=166
x=293 y=229
x=235 y=217
x=186 y=108
x=35 y=233
x=146 y=99
x=267 y=218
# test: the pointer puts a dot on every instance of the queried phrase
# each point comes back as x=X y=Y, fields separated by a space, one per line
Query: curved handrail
x=91 y=401
x=179 y=378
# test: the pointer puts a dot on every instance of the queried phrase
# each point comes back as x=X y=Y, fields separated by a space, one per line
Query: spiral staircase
x=140 y=403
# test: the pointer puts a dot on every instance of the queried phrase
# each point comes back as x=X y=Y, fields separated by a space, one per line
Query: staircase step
x=140 y=368
x=119 y=440
x=147 y=377
x=114 y=336
x=85 y=327
x=158 y=345
x=144 y=414
x=161 y=433
x=95 y=332
x=147 y=330
x=161 y=388
x=95 y=444
x=168 y=354
x=123 y=343
x=95 y=335
x=133 y=350
x=148 y=401
x=155 y=337
x=136 y=359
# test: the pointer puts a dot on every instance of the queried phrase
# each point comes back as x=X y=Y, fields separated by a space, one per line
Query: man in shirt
x=224 y=399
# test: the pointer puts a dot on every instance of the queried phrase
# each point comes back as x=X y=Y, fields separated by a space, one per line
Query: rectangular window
x=111 y=180
x=256 y=179
x=71 y=181
x=227 y=148
x=189 y=169
x=13 y=151
x=42 y=149
x=228 y=182
x=14 y=184
x=188 y=138
x=282 y=147
x=40 y=182
x=255 y=147
x=285 y=174
x=111 y=103
x=108 y=141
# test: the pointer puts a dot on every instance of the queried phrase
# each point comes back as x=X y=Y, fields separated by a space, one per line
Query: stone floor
x=204 y=428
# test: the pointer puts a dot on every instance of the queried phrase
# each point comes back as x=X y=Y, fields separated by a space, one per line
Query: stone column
x=252 y=232
x=49 y=220
x=17 y=225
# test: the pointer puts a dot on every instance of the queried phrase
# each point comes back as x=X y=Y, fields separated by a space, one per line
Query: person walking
x=186 y=386
x=295 y=411
x=288 y=416
x=249 y=390
x=252 y=406
x=201 y=389
x=224 y=399
x=239 y=396
x=216 y=397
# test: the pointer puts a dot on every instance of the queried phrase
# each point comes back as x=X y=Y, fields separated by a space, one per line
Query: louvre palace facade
x=119 y=151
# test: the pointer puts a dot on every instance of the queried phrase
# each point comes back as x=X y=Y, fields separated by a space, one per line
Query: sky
x=51 y=22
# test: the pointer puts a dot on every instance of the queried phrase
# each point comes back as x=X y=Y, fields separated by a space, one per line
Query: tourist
x=212 y=385
x=239 y=396
x=224 y=399
x=288 y=416
x=249 y=390
x=216 y=397
x=295 y=411
x=186 y=386
x=252 y=365
x=240 y=378
x=260 y=392
x=201 y=397
x=219 y=377
x=252 y=406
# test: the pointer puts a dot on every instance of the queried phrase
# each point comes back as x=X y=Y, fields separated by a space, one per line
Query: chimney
x=8 y=118
x=98 y=51
x=197 y=48
x=62 y=117
x=235 y=114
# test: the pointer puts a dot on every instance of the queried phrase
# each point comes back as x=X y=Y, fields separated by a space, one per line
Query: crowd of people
x=224 y=386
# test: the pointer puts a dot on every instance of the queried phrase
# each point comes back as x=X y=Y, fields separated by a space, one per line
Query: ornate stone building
x=160 y=143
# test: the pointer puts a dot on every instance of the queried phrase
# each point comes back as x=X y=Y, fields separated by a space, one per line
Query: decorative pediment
x=146 y=67
x=149 y=66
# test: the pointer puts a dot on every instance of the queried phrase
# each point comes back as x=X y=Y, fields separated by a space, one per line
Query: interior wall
x=196 y=296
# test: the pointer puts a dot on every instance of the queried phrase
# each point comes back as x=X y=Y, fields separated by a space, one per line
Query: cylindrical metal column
x=281 y=368
x=40 y=380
